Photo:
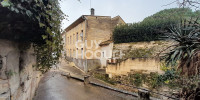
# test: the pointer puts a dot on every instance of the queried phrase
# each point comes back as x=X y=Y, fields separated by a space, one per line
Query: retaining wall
x=18 y=78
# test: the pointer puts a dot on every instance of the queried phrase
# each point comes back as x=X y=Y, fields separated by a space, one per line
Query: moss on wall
x=139 y=49
x=139 y=53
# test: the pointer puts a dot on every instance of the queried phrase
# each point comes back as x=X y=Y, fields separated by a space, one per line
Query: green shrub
x=104 y=78
x=154 y=80
x=139 y=53
x=137 y=79
x=152 y=27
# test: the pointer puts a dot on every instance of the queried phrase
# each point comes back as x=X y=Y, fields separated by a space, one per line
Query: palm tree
x=186 y=51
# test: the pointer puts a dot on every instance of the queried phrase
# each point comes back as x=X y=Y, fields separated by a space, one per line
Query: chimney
x=92 y=11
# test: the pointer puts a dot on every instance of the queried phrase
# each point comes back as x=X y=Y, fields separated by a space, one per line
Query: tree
x=152 y=27
x=187 y=47
x=186 y=35
x=46 y=16
x=186 y=3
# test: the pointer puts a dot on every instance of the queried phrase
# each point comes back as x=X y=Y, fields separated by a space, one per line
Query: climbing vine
x=48 y=16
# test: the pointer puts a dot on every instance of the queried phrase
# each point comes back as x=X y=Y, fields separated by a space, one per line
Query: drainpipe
x=86 y=24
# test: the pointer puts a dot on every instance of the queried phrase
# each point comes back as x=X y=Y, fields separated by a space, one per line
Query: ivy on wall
x=48 y=17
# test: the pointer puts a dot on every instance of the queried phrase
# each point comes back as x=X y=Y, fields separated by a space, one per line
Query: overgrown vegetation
x=139 y=53
x=186 y=51
x=46 y=16
x=104 y=77
x=10 y=73
x=182 y=87
x=152 y=27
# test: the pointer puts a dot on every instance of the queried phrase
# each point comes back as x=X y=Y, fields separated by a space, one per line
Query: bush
x=137 y=80
x=153 y=27
x=154 y=80
x=139 y=53
x=104 y=77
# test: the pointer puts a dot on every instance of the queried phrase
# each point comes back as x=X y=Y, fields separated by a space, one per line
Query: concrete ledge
x=114 y=89
x=73 y=77
x=81 y=79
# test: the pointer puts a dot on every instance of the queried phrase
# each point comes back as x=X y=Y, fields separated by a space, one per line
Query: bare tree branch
x=189 y=3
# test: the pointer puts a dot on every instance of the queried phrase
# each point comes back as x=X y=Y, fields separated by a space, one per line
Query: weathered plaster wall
x=129 y=58
x=145 y=65
x=106 y=53
x=18 y=78
x=98 y=30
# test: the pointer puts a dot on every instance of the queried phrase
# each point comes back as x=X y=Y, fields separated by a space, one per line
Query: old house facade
x=82 y=39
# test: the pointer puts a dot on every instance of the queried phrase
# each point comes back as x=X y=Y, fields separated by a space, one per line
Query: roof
x=75 y=23
x=106 y=43
x=79 y=20
x=118 y=17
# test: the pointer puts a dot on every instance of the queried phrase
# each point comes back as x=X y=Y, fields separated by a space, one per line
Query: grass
x=139 y=53
x=104 y=77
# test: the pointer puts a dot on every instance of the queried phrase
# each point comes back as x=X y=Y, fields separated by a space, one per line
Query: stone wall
x=81 y=63
x=137 y=56
x=18 y=78
x=145 y=65
x=156 y=46
x=98 y=30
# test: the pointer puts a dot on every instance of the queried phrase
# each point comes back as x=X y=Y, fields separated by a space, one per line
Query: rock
x=86 y=80
x=143 y=94
x=3 y=68
x=4 y=96
x=4 y=87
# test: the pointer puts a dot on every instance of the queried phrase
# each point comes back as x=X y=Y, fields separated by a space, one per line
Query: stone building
x=83 y=36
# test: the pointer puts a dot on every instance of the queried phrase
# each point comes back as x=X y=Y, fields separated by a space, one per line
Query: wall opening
x=1 y=62
x=21 y=61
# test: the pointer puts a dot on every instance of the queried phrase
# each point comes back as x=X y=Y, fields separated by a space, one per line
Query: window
x=82 y=53
x=74 y=52
x=74 y=39
x=77 y=36
x=70 y=39
x=70 y=53
x=77 y=53
x=65 y=40
x=81 y=35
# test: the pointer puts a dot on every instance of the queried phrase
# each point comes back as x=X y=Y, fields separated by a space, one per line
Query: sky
x=130 y=10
